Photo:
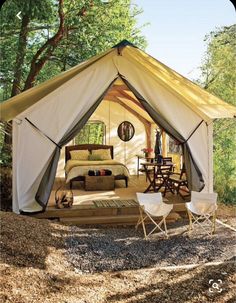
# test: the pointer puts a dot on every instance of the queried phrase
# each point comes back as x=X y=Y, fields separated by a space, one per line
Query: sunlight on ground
x=81 y=196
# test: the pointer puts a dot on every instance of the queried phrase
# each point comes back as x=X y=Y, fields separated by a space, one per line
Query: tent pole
x=109 y=117
x=15 y=206
x=210 y=156
x=164 y=144
x=124 y=141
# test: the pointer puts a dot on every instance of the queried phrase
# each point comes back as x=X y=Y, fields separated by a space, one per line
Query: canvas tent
x=49 y=115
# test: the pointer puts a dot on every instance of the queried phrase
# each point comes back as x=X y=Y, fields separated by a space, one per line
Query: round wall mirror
x=125 y=131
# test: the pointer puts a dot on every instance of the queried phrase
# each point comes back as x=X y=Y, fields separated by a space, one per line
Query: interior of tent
x=119 y=105
x=121 y=84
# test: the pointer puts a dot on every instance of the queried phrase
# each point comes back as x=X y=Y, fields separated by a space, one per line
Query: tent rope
x=42 y=133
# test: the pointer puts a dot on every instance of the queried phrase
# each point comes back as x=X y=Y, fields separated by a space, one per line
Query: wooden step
x=90 y=211
x=179 y=207
x=100 y=220
x=119 y=219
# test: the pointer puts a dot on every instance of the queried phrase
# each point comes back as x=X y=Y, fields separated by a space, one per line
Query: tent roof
x=204 y=104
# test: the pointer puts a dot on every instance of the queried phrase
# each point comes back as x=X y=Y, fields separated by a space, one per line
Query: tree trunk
x=20 y=55
x=46 y=50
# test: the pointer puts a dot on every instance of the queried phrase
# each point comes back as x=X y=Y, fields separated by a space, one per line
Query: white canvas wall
x=57 y=107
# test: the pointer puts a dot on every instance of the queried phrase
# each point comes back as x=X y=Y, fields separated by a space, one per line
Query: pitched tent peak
x=204 y=104
x=124 y=43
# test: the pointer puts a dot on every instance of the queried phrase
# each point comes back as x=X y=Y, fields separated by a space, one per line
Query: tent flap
x=45 y=187
x=194 y=176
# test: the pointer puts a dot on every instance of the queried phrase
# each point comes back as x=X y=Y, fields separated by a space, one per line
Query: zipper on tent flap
x=42 y=133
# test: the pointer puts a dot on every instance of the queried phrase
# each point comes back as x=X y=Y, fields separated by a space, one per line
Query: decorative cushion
x=94 y=157
x=79 y=154
x=105 y=154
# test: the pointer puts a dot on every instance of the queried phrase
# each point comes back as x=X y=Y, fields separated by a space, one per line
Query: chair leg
x=139 y=219
x=142 y=221
x=165 y=228
x=178 y=189
x=190 y=221
x=144 y=229
x=213 y=223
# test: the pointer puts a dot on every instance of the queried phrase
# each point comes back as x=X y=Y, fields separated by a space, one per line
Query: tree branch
x=45 y=51
x=20 y=55
x=208 y=82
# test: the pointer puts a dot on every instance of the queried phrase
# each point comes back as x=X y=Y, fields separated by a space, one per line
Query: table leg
x=166 y=185
x=152 y=181
x=138 y=167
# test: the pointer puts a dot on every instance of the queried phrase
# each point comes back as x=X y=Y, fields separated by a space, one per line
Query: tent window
x=93 y=132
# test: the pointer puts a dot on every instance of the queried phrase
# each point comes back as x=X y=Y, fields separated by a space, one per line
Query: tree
x=30 y=10
x=52 y=36
x=219 y=78
x=56 y=35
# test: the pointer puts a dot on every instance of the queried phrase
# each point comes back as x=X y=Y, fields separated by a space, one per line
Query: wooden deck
x=83 y=214
x=84 y=211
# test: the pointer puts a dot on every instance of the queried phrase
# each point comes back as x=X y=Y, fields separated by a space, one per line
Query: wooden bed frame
x=91 y=147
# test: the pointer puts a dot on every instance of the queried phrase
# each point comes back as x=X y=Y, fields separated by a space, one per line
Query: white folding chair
x=201 y=208
x=151 y=207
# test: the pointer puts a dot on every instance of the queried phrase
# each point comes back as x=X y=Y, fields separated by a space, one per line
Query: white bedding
x=75 y=168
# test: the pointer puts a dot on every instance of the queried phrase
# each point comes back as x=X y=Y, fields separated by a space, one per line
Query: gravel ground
x=37 y=266
x=91 y=250
x=34 y=265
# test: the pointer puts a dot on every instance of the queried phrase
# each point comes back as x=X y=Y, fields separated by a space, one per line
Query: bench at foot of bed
x=82 y=178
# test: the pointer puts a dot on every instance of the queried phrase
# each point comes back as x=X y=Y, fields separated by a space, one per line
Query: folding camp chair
x=151 y=207
x=201 y=208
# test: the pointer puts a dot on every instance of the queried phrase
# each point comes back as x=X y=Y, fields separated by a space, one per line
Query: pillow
x=79 y=154
x=105 y=154
x=94 y=158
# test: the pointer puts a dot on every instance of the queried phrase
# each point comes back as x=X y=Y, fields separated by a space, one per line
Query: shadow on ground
x=25 y=241
x=192 y=285
x=114 y=249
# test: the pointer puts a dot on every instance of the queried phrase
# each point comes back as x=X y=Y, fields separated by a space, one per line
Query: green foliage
x=100 y=27
x=90 y=28
x=92 y=133
x=5 y=172
x=41 y=14
x=219 y=77
x=224 y=159
x=6 y=188
x=5 y=149
x=38 y=10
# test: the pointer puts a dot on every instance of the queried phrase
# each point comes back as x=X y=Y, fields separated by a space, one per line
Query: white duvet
x=75 y=168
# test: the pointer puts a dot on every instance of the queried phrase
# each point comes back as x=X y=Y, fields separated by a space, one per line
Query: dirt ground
x=34 y=268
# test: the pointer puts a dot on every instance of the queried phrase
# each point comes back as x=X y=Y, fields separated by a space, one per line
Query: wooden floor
x=84 y=211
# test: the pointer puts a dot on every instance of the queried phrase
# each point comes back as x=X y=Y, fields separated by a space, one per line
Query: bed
x=75 y=170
